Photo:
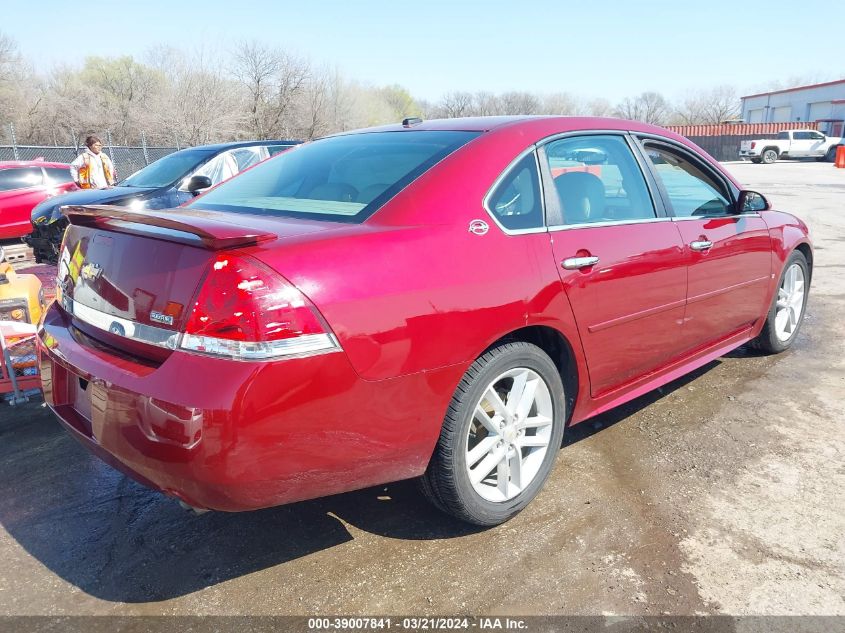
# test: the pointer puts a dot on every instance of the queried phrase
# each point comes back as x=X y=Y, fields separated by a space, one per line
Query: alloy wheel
x=509 y=434
x=790 y=303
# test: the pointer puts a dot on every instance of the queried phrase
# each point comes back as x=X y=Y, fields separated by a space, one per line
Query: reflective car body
x=23 y=185
x=159 y=185
x=409 y=286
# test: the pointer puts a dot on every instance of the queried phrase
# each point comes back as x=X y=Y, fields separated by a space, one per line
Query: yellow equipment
x=21 y=296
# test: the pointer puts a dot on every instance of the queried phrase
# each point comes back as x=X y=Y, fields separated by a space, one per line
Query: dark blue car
x=166 y=183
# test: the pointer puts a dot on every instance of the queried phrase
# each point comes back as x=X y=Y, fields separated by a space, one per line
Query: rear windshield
x=341 y=179
x=166 y=171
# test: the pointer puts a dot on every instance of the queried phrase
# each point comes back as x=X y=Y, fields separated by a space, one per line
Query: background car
x=166 y=183
x=434 y=300
x=23 y=184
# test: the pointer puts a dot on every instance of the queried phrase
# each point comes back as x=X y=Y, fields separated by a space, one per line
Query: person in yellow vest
x=92 y=169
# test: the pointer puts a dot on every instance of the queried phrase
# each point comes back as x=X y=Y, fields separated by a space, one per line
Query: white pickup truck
x=791 y=144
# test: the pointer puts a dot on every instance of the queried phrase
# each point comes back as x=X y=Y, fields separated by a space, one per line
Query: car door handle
x=574 y=263
x=701 y=245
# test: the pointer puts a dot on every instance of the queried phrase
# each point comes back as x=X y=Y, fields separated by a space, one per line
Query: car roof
x=5 y=164
x=527 y=122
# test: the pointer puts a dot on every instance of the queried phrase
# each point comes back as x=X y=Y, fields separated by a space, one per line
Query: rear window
x=56 y=175
x=342 y=178
x=166 y=171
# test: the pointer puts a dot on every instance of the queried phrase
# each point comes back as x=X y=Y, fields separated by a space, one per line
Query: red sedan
x=436 y=300
x=24 y=184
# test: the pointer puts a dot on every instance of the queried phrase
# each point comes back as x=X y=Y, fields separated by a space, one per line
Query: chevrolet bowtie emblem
x=91 y=271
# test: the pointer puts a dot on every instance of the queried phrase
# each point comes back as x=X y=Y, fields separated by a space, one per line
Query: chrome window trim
x=485 y=202
x=689 y=218
x=589 y=225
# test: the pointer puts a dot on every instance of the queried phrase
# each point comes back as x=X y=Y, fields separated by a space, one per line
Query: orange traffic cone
x=840 y=156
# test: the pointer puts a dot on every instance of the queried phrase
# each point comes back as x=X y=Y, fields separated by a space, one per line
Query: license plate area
x=81 y=397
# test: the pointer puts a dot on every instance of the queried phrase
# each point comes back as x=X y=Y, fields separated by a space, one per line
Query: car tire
x=788 y=307
x=830 y=157
x=769 y=156
x=518 y=390
x=756 y=161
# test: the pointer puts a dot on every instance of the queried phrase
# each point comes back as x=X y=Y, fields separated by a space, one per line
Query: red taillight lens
x=753 y=144
x=246 y=310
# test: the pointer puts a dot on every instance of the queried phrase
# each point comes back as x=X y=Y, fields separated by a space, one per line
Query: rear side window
x=515 y=202
x=57 y=176
x=343 y=178
x=20 y=178
x=692 y=191
x=782 y=136
x=597 y=179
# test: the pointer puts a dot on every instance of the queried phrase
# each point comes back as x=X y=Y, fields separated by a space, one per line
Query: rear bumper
x=237 y=436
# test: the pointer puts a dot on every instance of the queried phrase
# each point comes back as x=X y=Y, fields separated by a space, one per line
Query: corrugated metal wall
x=741 y=129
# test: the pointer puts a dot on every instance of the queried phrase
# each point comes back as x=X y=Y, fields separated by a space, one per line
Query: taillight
x=247 y=311
x=753 y=144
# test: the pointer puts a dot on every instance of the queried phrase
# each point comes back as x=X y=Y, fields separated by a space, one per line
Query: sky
x=610 y=49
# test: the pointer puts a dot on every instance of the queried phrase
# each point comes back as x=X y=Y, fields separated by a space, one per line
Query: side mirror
x=752 y=202
x=197 y=184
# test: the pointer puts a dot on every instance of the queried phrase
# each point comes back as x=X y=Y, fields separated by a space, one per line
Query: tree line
x=256 y=90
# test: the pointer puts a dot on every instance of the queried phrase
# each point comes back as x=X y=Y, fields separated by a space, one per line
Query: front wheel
x=787 y=311
x=500 y=437
x=830 y=157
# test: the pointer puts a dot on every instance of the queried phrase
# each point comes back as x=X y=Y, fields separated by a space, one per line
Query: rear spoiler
x=195 y=227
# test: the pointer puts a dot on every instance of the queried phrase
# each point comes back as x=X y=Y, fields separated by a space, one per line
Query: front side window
x=816 y=136
x=341 y=178
x=597 y=179
x=20 y=178
x=691 y=190
x=515 y=202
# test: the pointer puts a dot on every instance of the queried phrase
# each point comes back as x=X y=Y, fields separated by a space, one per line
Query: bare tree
x=456 y=104
x=649 y=107
x=199 y=105
x=713 y=105
x=599 y=107
x=518 y=103
x=560 y=103
x=273 y=79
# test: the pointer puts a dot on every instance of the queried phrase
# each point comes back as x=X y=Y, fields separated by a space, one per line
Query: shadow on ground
x=120 y=542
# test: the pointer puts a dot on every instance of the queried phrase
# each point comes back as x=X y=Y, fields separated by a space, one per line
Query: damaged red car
x=435 y=300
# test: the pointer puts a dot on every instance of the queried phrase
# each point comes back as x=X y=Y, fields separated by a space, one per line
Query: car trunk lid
x=128 y=278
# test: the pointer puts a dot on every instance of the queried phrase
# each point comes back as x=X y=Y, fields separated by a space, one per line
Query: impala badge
x=478 y=227
x=161 y=318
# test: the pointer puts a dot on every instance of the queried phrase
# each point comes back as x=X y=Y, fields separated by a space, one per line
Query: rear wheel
x=769 y=156
x=500 y=438
x=787 y=311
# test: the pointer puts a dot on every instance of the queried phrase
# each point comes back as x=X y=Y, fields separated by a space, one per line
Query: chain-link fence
x=127 y=159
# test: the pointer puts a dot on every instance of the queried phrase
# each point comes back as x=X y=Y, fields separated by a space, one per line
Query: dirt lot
x=724 y=492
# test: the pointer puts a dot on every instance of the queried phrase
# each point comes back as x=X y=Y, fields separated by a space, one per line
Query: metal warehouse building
x=822 y=103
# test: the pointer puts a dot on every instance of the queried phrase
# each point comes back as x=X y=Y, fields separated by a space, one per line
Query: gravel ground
x=720 y=493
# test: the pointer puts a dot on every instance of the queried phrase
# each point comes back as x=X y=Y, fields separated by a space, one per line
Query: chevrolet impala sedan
x=435 y=300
